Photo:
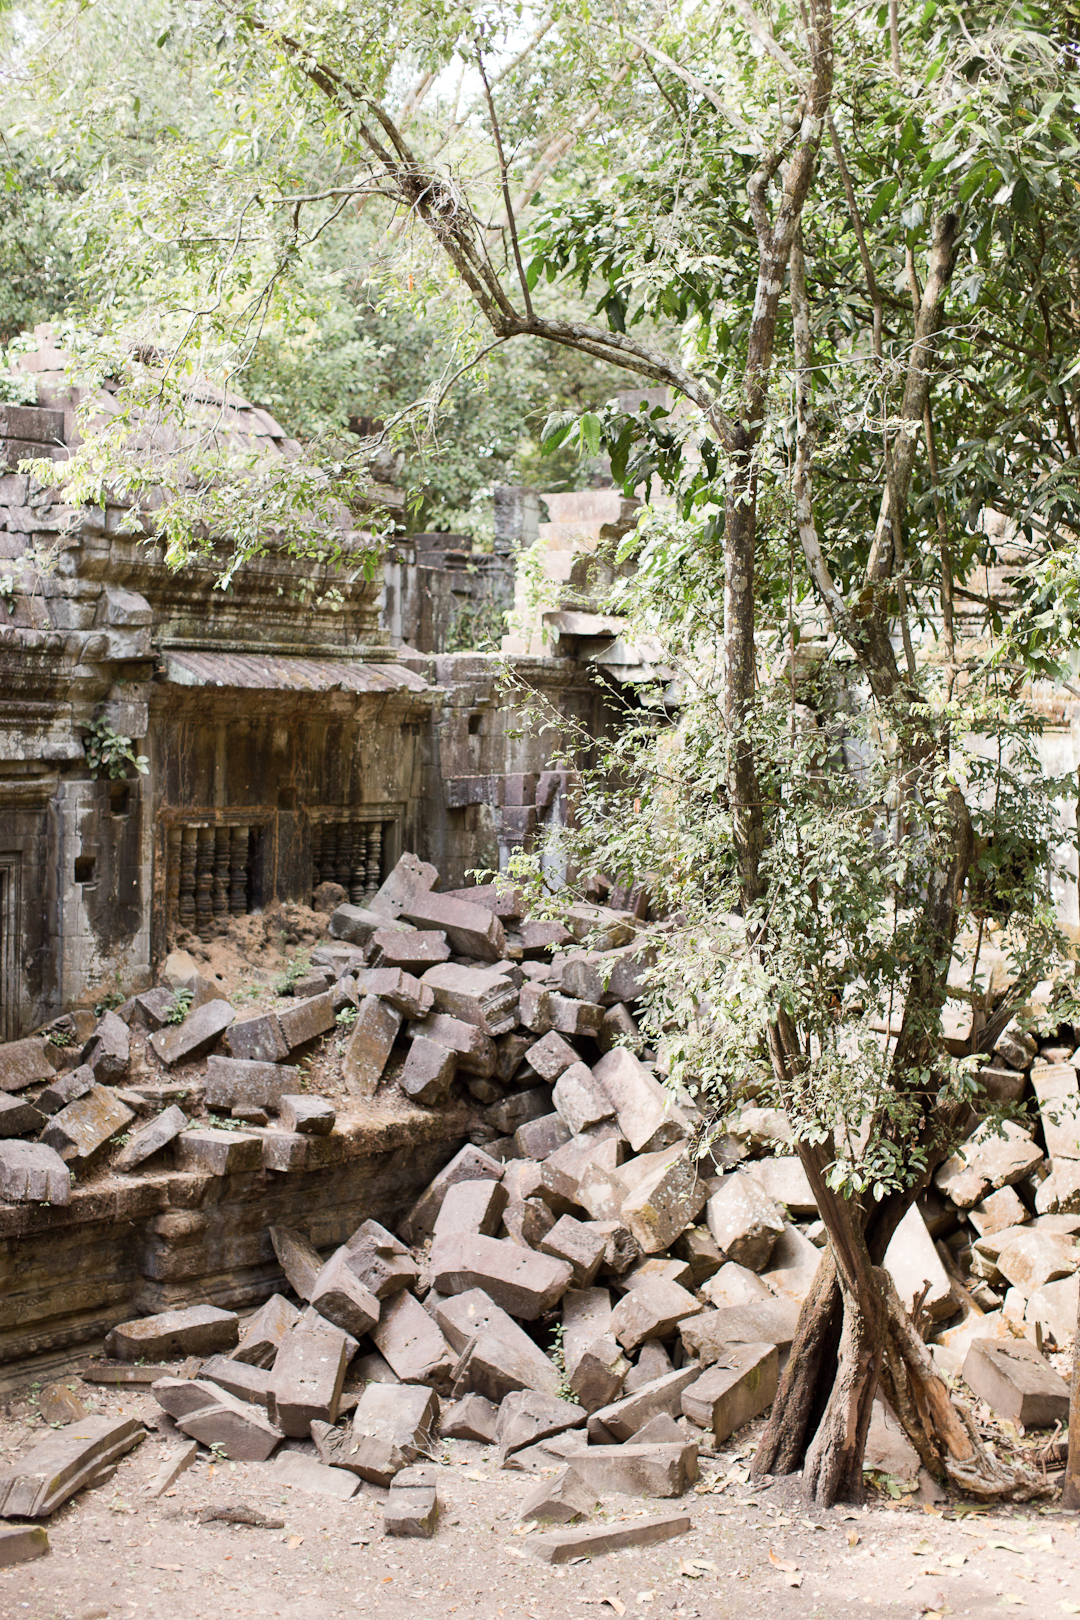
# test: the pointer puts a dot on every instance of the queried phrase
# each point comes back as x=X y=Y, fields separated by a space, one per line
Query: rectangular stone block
x=307 y=1115
x=262 y=1334
x=651 y=1311
x=151 y=1138
x=411 y=997
x=509 y=1115
x=24 y=1063
x=725 y=1398
x=496 y=1356
x=369 y=1046
x=298 y=1258
x=551 y=1056
x=201 y=1029
x=524 y=1283
x=470 y=1164
x=470 y=1418
x=475 y=1051
x=912 y=1261
x=65 y=1088
x=793 y=1264
x=245 y=1082
x=79 y=1132
x=32 y=1173
x=356 y=925
x=18 y=1118
x=381 y=1262
x=306 y=1379
x=239 y=1378
x=579 y=1097
x=539 y=1138
x=1016 y=1383
x=571 y=1017
x=636 y=1470
x=428 y=1072
x=219 y=1153
x=470 y=930
x=241 y=1430
x=412 y=1343
x=258 y=1039
x=342 y=1299
x=709 y=1337
x=580 y=1245
x=307 y=1019
x=666 y=1196
x=622 y=1419
x=64 y=1462
x=472 y=1206
x=392 y=1425
x=526 y=1417
x=305 y=1474
x=563 y=1546
x=413 y=950
x=198 y=1330
x=642 y=1106
x=20 y=1543
x=410 y=876
x=484 y=997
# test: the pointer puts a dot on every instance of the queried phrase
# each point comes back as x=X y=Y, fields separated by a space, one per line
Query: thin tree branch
x=511 y=226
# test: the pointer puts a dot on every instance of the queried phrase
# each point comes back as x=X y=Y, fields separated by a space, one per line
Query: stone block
x=470 y=930
x=484 y=997
x=1001 y=1084
x=527 y=1416
x=792 y=1265
x=307 y=1019
x=558 y=1501
x=472 y=1206
x=633 y=1470
x=562 y=1547
x=428 y=1072
x=151 y=1138
x=622 y=1419
x=409 y=995
x=1059 y=1108
x=79 y=1132
x=510 y=1052
x=513 y=1112
x=372 y=1369
x=413 y=950
x=411 y=875
x=311 y=984
x=306 y=1379
x=580 y=1098
x=725 y=1398
x=21 y=1543
x=201 y=1030
x=1032 y=1258
x=597 y=1184
x=32 y=1173
x=369 y=1046
x=342 y=1299
x=701 y=1252
x=744 y=1221
x=24 y=1063
x=298 y=1259
x=470 y=1164
x=785 y=1180
x=305 y=1474
x=619 y=1028
x=356 y=925
x=709 y=1337
x=239 y=1378
x=888 y=1449
x=412 y=1343
x=411 y=1512
x=1054 y=1308
x=470 y=1418
x=257 y=1040
x=642 y=1106
x=18 y=1118
x=219 y=1153
x=153 y=1007
x=1017 y=1383
x=241 y=1431
x=735 y=1285
x=380 y=1261
x=392 y=1425
x=58 y=1404
x=475 y=1051
x=580 y=1245
x=676 y=1271
x=262 y=1334
x=246 y=1082
x=496 y=1356
x=652 y=1311
x=1015 y=1046
x=1002 y=1157
x=571 y=1017
x=653 y=1362
x=551 y=1056
x=108 y=1050
x=177 y=1461
x=912 y=1261
x=599 y=1373
x=528 y=1222
x=524 y=1283
x=198 y=1330
x=309 y=1116
x=1002 y=1209
x=82 y=1454
x=1059 y=1194
x=665 y=1197
x=534 y=1007
x=539 y=1138
x=65 y=1088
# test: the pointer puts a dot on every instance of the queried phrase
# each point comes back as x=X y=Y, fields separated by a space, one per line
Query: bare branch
x=505 y=185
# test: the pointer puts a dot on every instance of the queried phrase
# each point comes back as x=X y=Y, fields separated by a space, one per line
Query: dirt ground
x=752 y=1554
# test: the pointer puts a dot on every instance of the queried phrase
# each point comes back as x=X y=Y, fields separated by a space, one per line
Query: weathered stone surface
x=475 y=1051
x=633 y=1470
x=653 y=1362
x=580 y=1245
x=413 y=950
x=524 y=1283
x=513 y=1112
x=509 y=1054
x=380 y=1261
x=18 y=1118
x=65 y=1088
x=725 y=1398
x=373 y=1035
x=412 y=1343
x=472 y=1206
x=623 y=1418
x=108 y=1050
x=356 y=925
x=1016 y=1382
x=241 y=1430
x=539 y=1138
x=572 y=1017
x=561 y=1547
x=888 y=1449
x=311 y=1116
x=1059 y=1194
x=219 y=1153
x=1054 y=1308
x=526 y=1417
x=792 y=1265
x=243 y=1082
x=24 y=1063
x=32 y=1173
x=651 y=1311
x=177 y=1461
x=1002 y=1209
x=409 y=995
x=665 y=1197
x=239 y=1378
x=735 y=1285
x=199 y=1330
x=392 y=1425
x=21 y=1543
x=306 y=1019
x=1002 y=1084
x=372 y=1369
x=470 y=1418
x=912 y=1261
x=558 y=1501
x=151 y=1138
x=63 y=1463
x=59 y=1404
x=1031 y=1259
x=410 y=876
x=551 y=1056
x=586 y=1314
x=496 y=1356
x=470 y=930
x=261 y=1336
x=470 y=1164
x=305 y=1474
x=153 y=1008
x=642 y=1106
x=305 y=1382
x=257 y=1040
x=342 y=1299
x=428 y=1072
x=744 y=1221
x=1015 y=1046
x=709 y=1337
x=1059 y=1108
x=298 y=1259
x=592 y=1174
x=1003 y=1157
x=579 y=1097
x=201 y=1029
x=485 y=997
x=599 y=1373
x=785 y=1180
x=79 y=1132
x=411 y=1512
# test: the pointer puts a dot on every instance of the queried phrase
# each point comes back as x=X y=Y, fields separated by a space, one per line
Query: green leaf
x=882 y=201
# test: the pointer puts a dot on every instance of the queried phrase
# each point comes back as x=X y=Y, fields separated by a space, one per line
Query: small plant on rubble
x=181 y=1006
x=294 y=971
x=108 y=752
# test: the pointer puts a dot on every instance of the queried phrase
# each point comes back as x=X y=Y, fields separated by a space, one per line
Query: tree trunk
x=1070 y=1496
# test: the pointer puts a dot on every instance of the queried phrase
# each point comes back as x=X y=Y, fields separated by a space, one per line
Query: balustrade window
x=350 y=852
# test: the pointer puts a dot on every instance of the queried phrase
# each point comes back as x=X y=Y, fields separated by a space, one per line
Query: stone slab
x=151 y=1138
x=198 y=1330
x=637 y=1470
x=412 y=1344
x=562 y=1547
x=306 y=1379
x=305 y=1474
x=380 y=1260
x=24 y=1063
x=80 y=1132
x=726 y=1397
x=201 y=1029
x=470 y=1164
x=245 y=1082
x=524 y=1283
x=63 y=1463
x=1016 y=1382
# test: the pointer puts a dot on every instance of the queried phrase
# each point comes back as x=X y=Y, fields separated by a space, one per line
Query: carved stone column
x=204 y=883
x=186 y=897
x=238 y=870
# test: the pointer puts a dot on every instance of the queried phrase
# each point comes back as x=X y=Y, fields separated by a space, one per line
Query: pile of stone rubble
x=572 y=1288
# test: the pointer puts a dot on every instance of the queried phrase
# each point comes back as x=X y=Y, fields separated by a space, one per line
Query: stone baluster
x=358 y=875
x=185 y=907
x=222 y=842
x=238 y=870
x=316 y=853
x=173 y=846
x=343 y=870
x=374 y=857
x=204 y=883
x=328 y=867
